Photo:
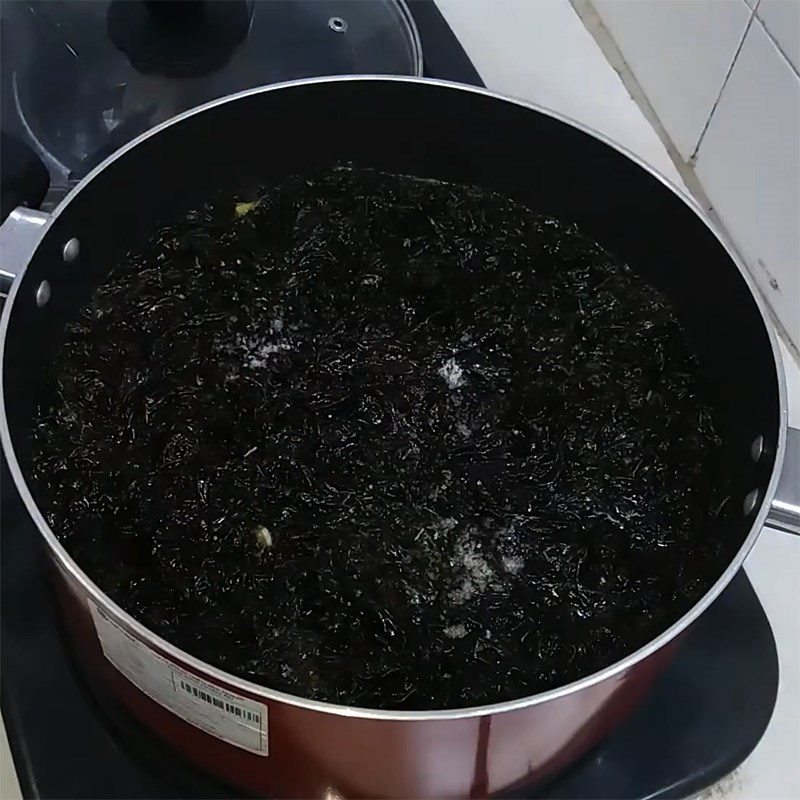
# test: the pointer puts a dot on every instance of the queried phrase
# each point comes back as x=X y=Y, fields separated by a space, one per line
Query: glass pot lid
x=86 y=77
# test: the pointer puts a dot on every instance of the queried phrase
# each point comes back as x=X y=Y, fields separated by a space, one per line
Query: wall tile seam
x=696 y=152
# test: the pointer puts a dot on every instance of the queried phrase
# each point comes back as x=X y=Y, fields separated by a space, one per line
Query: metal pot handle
x=20 y=235
x=784 y=514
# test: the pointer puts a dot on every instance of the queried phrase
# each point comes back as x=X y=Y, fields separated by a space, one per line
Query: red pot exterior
x=312 y=752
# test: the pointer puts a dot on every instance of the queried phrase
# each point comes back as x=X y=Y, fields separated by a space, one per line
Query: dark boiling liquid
x=385 y=442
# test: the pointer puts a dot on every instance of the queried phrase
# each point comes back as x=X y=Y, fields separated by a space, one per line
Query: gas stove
x=704 y=716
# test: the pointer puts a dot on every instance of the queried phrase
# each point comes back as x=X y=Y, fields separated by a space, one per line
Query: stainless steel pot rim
x=263 y=693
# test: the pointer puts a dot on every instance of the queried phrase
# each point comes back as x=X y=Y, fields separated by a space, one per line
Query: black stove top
x=704 y=716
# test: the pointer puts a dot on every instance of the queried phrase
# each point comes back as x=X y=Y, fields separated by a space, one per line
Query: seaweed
x=387 y=442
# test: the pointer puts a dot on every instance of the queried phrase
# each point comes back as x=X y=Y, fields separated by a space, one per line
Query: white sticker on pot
x=228 y=716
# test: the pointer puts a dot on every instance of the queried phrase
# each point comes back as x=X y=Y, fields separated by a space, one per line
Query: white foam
x=477 y=576
x=452 y=374
x=464 y=430
x=513 y=564
x=257 y=350
x=458 y=631
x=259 y=356
x=446 y=524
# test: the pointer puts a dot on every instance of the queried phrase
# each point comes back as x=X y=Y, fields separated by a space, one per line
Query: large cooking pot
x=269 y=742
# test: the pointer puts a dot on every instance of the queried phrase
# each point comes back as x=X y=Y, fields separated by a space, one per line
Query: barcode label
x=237 y=711
x=224 y=714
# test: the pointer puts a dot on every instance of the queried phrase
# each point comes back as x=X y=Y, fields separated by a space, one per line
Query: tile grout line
x=693 y=158
x=774 y=41
x=608 y=47
x=591 y=20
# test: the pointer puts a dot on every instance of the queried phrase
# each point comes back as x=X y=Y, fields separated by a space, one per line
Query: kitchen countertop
x=540 y=51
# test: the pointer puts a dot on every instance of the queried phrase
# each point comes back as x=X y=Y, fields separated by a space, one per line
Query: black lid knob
x=178 y=38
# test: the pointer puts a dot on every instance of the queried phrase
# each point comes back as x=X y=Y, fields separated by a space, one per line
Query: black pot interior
x=430 y=131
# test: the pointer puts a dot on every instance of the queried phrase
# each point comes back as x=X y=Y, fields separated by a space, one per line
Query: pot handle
x=20 y=235
x=784 y=514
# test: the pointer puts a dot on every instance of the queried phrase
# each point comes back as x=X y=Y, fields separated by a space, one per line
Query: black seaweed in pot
x=385 y=441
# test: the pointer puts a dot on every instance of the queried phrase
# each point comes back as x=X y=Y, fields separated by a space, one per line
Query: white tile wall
x=781 y=18
x=731 y=106
x=539 y=50
x=749 y=165
x=680 y=52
